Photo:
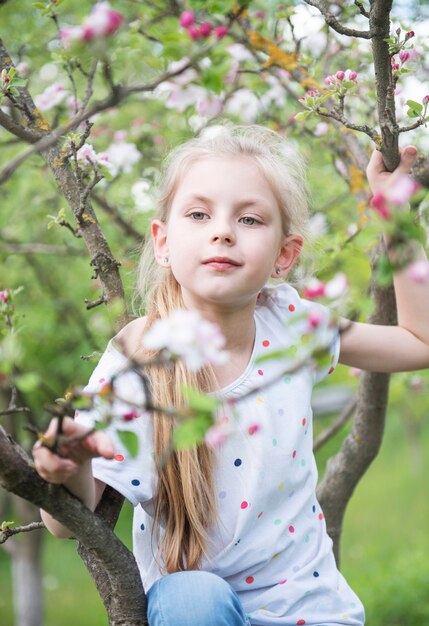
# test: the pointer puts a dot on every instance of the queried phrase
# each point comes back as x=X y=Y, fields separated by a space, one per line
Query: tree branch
x=125 y=601
x=332 y=21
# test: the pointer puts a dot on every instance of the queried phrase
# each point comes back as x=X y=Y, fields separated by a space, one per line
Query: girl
x=233 y=537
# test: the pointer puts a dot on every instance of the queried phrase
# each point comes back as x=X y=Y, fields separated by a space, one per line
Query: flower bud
x=220 y=31
x=340 y=75
x=187 y=18
x=426 y=100
x=410 y=34
x=194 y=33
x=404 y=55
x=205 y=29
x=352 y=76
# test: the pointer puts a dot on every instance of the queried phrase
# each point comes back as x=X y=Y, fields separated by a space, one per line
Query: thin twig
x=336 y=425
x=9 y=531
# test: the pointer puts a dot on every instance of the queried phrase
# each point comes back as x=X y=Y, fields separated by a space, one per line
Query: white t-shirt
x=270 y=541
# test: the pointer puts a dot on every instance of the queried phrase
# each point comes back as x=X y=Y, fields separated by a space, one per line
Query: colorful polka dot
x=307 y=538
x=291 y=529
x=303 y=463
x=304 y=421
x=277 y=522
x=331 y=370
x=321 y=516
x=238 y=462
x=250 y=580
x=265 y=343
x=222 y=494
x=102 y=380
x=287 y=380
x=253 y=429
x=260 y=372
x=260 y=514
x=281 y=486
x=119 y=458
x=259 y=400
x=135 y=482
x=141 y=526
x=294 y=454
x=314 y=508
x=244 y=505
x=291 y=308
x=282 y=582
x=300 y=622
x=274 y=442
x=316 y=574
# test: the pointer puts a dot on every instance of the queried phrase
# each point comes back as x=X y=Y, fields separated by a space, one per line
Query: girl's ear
x=159 y=239
x=287 y=256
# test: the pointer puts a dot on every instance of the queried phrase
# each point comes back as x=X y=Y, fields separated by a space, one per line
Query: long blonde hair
x=185 y=499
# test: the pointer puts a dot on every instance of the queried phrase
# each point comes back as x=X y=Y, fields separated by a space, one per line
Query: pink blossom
x=210 y=105
x=340 y=75
x=419 y=271
x=401 y=190
x=220 y=31
x=205 y=29
x=351 y=75
x=101 y=22
x=337 y=286
x=314 y=289
x=315 y=319
x=321 y=129
x=410 y=34
x=131 y=415
x=329 y=80
x=217 y=435
x=4 y=295
x=194 y=32
x=404 y=55
x=379 y=204
x=426 y=99
x=187 y=18
x=51 y=97
x=260 y=14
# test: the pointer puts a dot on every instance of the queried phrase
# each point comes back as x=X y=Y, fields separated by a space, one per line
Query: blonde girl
x=233 y=536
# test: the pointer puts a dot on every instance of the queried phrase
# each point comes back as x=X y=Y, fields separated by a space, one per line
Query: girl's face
x=223 y=238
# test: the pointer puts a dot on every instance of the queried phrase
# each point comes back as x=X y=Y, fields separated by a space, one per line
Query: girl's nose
x=222 y=233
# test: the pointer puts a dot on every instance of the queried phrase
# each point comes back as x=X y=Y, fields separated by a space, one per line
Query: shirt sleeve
x=298 y=315
x=133 y=477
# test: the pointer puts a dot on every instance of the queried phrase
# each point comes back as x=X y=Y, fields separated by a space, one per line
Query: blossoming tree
x=92 y=108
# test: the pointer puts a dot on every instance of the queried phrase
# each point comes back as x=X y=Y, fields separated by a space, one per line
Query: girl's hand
x=58 y=468
x=379 y=178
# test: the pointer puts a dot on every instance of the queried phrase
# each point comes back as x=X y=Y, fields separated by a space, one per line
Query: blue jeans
x=194 y=598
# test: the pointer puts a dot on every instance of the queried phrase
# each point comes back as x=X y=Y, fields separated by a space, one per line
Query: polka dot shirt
x=270 y=541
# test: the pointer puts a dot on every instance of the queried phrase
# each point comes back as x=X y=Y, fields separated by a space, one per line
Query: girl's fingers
x=52 y=467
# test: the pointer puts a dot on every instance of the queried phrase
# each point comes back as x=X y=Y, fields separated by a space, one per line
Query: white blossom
x=122 y=156
x=187 y=335
x=53 y=95
x=142 y=197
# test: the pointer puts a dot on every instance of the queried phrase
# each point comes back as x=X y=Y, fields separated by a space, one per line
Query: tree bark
x=124 y=597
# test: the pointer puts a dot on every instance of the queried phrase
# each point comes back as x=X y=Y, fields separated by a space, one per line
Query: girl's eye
x=249 y=221
x=197 y=215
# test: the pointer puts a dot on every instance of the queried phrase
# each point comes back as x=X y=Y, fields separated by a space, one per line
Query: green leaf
x=199 y=401
x=5 y=525
x=130 y=441
x=191 y=432
x=28 y=382
x=416 y=106
x=302 y=115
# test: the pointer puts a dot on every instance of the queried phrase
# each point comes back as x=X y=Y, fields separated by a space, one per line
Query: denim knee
x=194 y=598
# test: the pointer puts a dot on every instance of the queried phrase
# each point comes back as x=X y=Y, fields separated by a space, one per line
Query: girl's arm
x=72 y=468
x=392 y=348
